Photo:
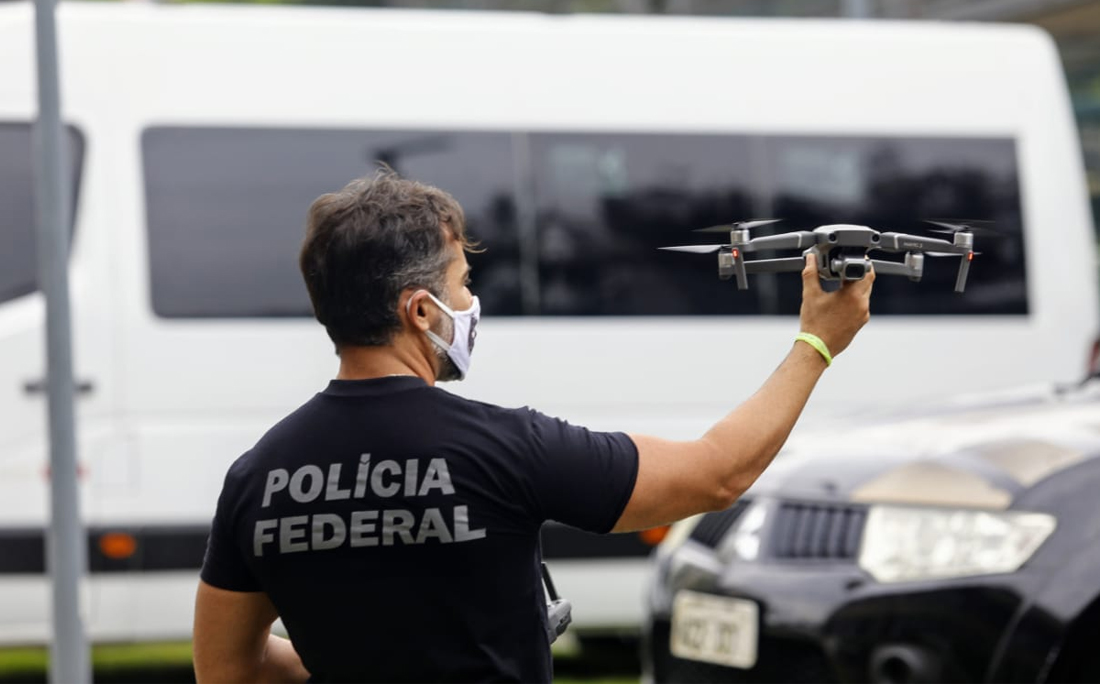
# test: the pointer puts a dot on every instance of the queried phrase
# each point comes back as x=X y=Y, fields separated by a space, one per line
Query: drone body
x=843 y=251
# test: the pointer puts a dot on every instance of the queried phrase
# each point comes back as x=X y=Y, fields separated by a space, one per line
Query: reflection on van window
x=605 y=203
x=895 y=183
x=18 y=258
x=227 y=208
x=571 y=221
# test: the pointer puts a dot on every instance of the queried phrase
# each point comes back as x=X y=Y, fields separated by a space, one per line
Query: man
x=393 y=526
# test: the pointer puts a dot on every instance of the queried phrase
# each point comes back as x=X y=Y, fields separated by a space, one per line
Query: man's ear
x=417 y=313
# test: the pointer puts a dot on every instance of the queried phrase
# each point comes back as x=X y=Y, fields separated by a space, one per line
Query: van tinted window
x=606 y=202
x=893 y=184
x=571 y=221
x=19 y=256
x=227 y=207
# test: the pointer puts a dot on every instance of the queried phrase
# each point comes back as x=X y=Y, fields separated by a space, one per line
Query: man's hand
x=835 y=317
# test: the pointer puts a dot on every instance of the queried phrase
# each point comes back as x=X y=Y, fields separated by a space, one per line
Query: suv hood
x=973 y=451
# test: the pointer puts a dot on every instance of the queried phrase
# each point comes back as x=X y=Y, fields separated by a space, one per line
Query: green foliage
x=31 y=664
x=171 y=662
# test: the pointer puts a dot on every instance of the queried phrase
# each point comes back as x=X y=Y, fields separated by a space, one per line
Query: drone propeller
x=740 y=225
x=952 y=226
x=949 y=254
x=694 y=249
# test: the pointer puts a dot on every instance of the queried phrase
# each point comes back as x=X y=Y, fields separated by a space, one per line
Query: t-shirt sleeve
x=224 y=565
x=580 y=477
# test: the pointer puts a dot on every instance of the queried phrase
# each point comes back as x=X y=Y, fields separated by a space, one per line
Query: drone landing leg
x=964 y=270
x=739 y=270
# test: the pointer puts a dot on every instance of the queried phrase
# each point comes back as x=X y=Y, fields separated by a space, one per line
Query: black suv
x=958 y=545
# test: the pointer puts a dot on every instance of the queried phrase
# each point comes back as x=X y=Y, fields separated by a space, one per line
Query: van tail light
x=117 y=545
x=654 y=535
x=1094 y=359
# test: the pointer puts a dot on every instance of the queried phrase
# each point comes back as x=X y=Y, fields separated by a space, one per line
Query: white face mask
x=465 y=333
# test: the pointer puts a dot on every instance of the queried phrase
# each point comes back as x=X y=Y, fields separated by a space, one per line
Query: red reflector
x=970 y=256
x=736 y=253
x=654 y=535
x=117 y=545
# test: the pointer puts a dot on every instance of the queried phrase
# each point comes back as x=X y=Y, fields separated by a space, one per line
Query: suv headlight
x=907 y=544
x=746 y=539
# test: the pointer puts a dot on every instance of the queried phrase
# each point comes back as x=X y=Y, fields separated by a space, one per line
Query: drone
x=843 y=250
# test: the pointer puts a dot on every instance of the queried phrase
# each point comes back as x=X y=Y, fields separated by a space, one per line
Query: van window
x=893 y=184
x=227 y=207
x=19 y=256
x=572 y=221
x=607 y=201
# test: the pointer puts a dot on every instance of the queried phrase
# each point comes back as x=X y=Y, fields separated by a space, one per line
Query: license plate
x=715 y=629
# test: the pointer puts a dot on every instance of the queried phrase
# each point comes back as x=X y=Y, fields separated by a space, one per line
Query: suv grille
x=807 y=531
x=710 y=530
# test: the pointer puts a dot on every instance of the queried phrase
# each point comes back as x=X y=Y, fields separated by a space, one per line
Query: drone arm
x=798 y=240
x=902 y=242
x=893 y=268
x=788 y=265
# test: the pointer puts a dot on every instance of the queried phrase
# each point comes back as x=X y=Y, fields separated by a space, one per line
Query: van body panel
x=177 y=399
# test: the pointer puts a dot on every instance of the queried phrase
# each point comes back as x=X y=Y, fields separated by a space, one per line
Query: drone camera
x=854 y=271
x=851 y=268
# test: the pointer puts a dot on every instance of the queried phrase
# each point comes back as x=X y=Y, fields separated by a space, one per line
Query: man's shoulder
x=313 y=422
x=523 y=415
x=297 y=420
x=288 y=430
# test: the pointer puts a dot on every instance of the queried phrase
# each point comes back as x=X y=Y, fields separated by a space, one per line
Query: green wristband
x=815 y=342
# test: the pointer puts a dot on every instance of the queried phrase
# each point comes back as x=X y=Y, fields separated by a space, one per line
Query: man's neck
x=365 y=363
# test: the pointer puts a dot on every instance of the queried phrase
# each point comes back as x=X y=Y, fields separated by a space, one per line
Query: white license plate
x=715 y=629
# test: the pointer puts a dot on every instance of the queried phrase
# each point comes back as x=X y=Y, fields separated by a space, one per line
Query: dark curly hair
x=367 y=243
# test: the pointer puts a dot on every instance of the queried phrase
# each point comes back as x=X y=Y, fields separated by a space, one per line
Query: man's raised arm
x=679 y=479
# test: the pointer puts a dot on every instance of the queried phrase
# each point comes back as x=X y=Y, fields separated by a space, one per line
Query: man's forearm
x=745 y=441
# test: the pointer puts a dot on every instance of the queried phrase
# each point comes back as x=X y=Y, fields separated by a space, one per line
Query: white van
x=578 y=145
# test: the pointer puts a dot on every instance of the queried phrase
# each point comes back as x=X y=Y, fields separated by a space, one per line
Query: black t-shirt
x=395 y=527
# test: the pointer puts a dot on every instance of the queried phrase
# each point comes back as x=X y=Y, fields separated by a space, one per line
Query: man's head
x=374 y=250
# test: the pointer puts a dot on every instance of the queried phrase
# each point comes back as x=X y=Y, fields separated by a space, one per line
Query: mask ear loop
x=409 y=301
x=436 y=339
x=435 y=300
